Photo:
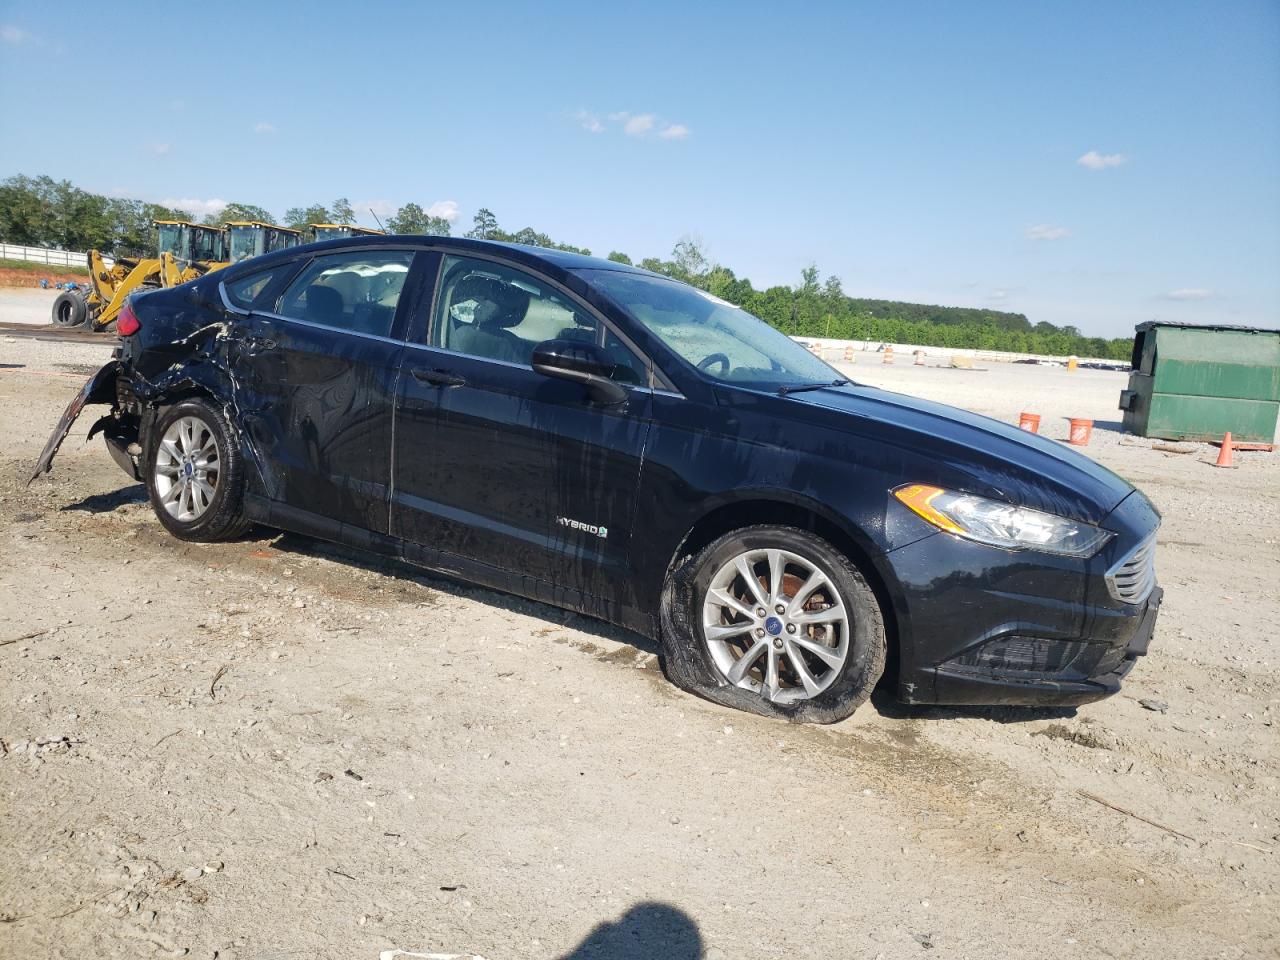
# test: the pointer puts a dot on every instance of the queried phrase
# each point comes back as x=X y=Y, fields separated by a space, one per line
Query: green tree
x=299 y=217
x=484 y=226
x=23 y=215
x=412 y=219
x=690 y=262
x=235 y=212
x=342 y=212
x=618 y=257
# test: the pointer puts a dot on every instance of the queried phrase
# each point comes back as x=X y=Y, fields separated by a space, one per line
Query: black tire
x=687 y=658
x=69 y=310
x=223 y=518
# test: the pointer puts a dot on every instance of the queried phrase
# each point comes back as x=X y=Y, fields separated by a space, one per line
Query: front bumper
x=984 y=626
x=952 y=685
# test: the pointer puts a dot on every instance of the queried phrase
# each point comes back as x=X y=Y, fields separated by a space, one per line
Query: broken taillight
x=127 y=322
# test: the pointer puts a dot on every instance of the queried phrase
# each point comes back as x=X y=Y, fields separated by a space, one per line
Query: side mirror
x=581 y=362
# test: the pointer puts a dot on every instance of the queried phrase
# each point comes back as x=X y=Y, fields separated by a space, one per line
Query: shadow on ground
x=887 y=705
x=106 y=502
x=645 y=932
x=400 y=570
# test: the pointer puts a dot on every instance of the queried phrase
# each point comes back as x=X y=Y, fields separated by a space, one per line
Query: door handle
x=438 y=378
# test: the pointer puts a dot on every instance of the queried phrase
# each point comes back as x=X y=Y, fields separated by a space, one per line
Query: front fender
x=100 y=388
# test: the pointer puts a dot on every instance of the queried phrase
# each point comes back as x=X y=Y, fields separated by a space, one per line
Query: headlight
x=1001 y=524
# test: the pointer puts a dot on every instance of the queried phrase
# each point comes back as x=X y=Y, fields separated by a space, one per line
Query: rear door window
x=355 y=290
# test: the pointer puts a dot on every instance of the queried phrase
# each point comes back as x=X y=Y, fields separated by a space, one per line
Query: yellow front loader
x=185 y=251
x=338 y=231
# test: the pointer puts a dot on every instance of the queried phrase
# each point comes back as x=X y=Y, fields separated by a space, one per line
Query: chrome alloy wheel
x=775 y=625
x=187 y=468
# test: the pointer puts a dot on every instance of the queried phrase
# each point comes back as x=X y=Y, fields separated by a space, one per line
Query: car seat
x=499 y=307
x=325 y=305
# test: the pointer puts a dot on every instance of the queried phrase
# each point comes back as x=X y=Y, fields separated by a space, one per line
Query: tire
x=195 y=474
x=841 y=645
x=69 y=310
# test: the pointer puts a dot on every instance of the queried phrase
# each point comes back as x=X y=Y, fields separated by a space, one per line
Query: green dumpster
x=1193 y=382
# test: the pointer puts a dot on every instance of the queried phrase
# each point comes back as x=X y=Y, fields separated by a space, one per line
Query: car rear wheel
x=194 y=475
x=774 y=620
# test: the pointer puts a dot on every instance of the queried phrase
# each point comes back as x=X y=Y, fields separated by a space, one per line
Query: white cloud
x=380 y=208
x=160 y=148
x=639 y=125
x=1189 y=293
x=263 y=127
x=14 y=35
x=448 y=209
x=589 y=121
x=1043 y=231
x=999 y=295
x=1100 y=161
x=194 y=205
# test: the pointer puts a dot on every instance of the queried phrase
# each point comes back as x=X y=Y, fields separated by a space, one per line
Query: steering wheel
x=715 y=358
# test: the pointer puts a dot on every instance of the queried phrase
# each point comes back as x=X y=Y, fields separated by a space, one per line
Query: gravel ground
x=275 y=748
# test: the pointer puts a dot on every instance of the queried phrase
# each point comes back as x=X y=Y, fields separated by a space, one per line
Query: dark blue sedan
x=611 y=441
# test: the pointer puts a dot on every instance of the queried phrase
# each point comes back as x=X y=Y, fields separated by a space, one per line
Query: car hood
x=967 y=450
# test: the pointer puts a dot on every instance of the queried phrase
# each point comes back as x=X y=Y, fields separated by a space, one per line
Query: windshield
x=244 y=243
x=721 y=340
x=331 y=233
x=170 y=239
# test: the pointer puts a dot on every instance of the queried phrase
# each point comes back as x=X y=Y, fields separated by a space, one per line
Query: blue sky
x=1095 y=164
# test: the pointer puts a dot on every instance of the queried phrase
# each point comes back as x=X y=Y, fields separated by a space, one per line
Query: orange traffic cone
x=1225 y=458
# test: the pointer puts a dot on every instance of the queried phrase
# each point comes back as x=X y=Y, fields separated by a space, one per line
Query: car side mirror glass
x=581 y=362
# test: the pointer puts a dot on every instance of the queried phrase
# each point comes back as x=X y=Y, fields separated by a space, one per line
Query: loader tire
x=69 y=310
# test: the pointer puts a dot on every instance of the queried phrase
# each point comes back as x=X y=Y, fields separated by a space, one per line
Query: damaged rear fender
x=201 y=377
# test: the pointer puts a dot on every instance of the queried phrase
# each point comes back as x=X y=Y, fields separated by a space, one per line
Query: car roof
x=563 y=259
x=553 y=262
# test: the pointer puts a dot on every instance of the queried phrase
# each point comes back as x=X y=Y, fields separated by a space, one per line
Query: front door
x=315 y=383
x=499 y=464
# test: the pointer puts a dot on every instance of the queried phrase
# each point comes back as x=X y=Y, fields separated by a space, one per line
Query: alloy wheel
x=187 y=469
x=775 y=624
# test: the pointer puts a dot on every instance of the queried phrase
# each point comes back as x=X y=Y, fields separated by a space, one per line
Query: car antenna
x=377 y=221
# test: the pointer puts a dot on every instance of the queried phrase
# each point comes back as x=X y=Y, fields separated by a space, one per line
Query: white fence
x=54 y=258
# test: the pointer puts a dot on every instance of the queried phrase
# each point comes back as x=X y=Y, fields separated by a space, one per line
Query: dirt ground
x=13 y=277
x=273 y=748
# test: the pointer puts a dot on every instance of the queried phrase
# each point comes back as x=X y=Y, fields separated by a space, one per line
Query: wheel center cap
x=188 y=469
x=773 y=626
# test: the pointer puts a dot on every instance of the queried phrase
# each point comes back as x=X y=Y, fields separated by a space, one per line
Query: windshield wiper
x=783 y=391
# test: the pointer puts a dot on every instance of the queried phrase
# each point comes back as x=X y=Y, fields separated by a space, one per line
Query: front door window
x=498 y=313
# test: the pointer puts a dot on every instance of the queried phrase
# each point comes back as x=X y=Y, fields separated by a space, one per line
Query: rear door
x=497 y=463
x=315 y=370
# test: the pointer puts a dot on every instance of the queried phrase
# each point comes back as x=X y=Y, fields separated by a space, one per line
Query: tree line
x=41 y=211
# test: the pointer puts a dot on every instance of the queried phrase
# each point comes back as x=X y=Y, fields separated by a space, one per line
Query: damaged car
x=614 y=442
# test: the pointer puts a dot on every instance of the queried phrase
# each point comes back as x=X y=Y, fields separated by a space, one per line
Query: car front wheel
x=777 y=621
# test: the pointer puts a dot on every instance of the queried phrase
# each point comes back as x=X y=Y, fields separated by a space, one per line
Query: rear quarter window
x=244 y=291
